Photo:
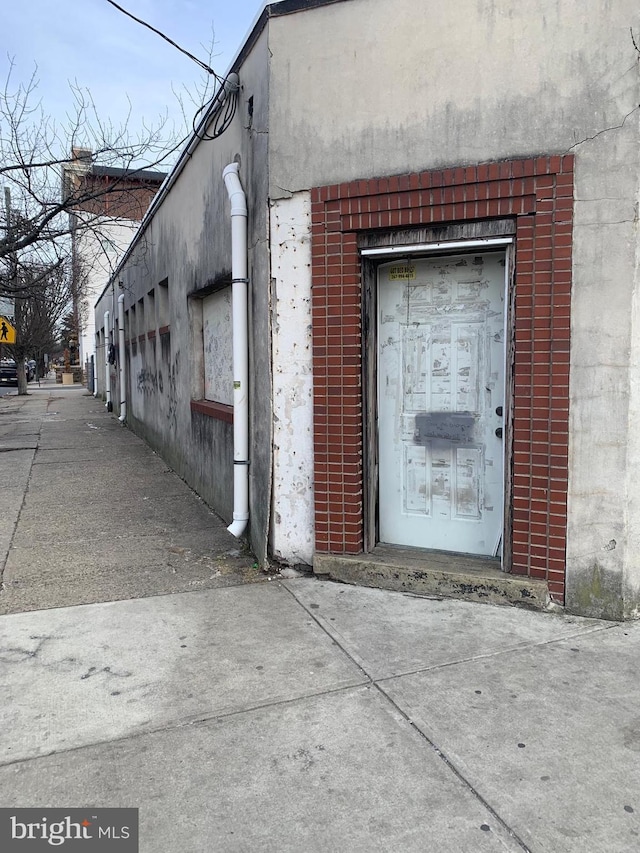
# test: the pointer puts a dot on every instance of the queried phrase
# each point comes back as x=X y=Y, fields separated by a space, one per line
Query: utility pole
x=13 y=289
x=11 y=268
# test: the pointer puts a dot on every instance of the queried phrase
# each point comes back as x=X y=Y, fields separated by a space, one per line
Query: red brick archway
x=538 y=194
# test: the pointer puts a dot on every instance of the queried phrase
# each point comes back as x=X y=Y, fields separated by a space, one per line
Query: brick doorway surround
x=538 y=195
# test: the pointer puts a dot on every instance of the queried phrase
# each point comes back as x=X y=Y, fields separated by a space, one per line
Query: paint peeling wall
x=293 y=521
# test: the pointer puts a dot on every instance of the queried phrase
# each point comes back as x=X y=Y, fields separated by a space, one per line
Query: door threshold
x=435 y=573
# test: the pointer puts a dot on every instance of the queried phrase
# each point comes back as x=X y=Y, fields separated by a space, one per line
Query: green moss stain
x=596 y=592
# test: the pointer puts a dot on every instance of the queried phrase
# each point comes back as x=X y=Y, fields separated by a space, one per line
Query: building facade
x=114 y=200
x=442 y=292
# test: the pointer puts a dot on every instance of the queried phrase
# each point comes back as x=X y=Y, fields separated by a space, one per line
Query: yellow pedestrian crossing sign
x=7 y=332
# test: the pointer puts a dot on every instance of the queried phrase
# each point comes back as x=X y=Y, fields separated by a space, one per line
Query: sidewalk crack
x=457 y=773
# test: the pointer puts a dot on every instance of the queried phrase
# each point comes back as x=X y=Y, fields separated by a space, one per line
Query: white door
x=441 y=359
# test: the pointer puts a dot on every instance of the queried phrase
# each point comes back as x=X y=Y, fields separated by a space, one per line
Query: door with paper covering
x=441 y=365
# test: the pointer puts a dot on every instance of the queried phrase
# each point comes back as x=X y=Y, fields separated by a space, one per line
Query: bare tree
x=45 y=186
x=38 y=316
x=65 y=182
x=62 y=183
x=34 y=158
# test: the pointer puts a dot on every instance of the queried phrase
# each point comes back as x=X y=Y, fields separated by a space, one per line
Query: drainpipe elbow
x=235 y=192
x=238 y=525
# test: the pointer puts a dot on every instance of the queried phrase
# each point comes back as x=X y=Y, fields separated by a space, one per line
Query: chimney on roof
x=83 y=155
x=74 y=169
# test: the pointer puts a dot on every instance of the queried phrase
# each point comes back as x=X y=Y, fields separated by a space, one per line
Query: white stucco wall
x=293 y=514
x=99 y=248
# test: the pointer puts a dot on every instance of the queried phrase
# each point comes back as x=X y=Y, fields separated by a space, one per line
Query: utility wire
x=225 y=101
x=199 y=62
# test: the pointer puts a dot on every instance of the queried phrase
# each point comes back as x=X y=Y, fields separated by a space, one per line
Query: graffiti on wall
x=146 y=381
x=172 y=393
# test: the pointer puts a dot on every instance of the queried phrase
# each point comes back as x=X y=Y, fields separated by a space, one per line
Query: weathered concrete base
x=432 y=573
x=596 y=591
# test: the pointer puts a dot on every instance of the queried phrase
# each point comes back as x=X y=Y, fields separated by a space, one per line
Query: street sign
x=7 y=332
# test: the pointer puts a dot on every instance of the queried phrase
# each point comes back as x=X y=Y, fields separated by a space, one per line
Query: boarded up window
x=218 y=350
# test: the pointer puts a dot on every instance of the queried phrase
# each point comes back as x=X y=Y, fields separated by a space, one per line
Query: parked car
x=8 y=372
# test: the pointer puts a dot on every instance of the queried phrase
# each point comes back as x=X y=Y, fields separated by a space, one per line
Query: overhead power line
x=195 y=59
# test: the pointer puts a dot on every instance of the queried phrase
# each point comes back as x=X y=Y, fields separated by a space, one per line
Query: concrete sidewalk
x=101 y=517
x=143 y=665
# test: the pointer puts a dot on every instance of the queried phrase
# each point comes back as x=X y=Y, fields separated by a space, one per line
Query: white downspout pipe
x=121 y=358
x=95 y=367
x=107 y=374
x=240 y=349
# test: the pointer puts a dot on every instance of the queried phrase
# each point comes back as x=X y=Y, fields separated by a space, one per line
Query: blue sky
x=92 y=43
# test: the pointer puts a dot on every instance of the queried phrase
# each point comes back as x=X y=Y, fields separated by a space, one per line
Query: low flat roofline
x=132 y=174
